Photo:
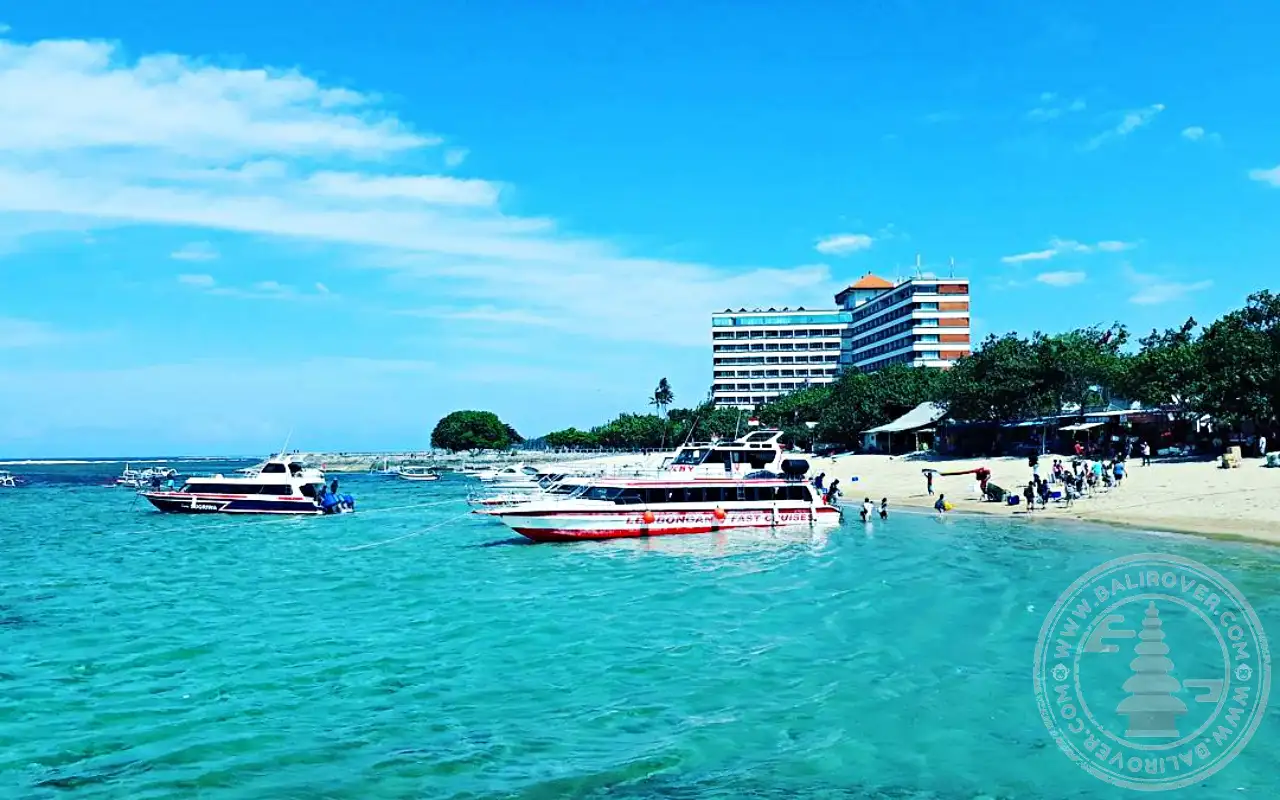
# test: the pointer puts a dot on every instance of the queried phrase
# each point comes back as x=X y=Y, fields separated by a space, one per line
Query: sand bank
x=1183 y=497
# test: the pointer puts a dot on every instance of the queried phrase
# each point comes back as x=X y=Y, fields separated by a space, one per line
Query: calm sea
x=152 y=656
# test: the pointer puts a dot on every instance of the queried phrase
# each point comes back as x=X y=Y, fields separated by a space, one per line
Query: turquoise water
x=148 y=656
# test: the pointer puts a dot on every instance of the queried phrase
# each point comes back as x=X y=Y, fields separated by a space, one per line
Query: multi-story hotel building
x=758 y=355
x=923 y=322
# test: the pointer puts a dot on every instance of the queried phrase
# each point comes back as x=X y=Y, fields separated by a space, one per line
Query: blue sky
x=350 y=220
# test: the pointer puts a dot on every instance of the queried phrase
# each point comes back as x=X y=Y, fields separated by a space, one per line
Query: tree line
x=1229 y=369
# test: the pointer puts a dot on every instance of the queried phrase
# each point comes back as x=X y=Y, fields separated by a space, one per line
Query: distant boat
x=387 y=469
x=137 y=479
x=7 y=481
x=282 y=486
x=421 y=474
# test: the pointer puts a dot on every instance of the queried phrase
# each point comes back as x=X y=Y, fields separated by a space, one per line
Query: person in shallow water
x=884 y=508
x=941 y=505
x=868 y=508
x=833 y=493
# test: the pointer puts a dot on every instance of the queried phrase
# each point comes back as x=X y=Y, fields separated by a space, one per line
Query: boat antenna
x=285 y=447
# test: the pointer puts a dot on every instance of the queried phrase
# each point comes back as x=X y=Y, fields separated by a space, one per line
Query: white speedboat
x=613 y=508
x=7 y=481
x=281 y=486
x=419 y=474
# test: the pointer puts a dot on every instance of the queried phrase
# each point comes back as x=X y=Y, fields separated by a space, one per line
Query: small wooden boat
x=420 y=474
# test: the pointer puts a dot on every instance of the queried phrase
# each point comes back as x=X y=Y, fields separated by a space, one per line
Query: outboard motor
x=795 y=468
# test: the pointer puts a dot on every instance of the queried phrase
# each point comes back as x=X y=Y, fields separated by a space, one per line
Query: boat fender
x=649 y=518
x=719 y=513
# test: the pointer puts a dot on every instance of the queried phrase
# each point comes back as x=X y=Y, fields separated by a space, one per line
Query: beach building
x=760 y=354
x=921 y=322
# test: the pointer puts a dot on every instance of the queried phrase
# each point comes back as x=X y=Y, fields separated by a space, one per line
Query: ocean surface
x=411 y=650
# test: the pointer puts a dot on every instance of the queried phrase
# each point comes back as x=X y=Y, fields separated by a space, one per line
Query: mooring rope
x=409 y=535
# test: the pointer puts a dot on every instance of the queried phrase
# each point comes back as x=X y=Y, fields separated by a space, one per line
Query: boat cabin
x=702 y=493
x=758 y=450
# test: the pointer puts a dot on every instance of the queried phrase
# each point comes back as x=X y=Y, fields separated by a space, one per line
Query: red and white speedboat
x=618 y=508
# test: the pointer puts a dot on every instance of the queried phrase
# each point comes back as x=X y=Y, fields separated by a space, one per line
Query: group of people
x=1083 y=475
x=830 y=494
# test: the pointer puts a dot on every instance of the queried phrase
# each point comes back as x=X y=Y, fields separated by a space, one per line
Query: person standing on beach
x=1146 y=454
x=1029 y=494
x=1118 y=469
x=928 y=480
x=1262 y=446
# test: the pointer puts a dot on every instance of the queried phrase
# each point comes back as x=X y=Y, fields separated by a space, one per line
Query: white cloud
x=62 y=94
x=18 y=333
x=1059 y=247
x=1155 y=289
x=1130 y=122
x=1195 y=133
x=1035 y=255
x=261 y=290
x=197 y=281
x=195 y=251
x=454 y=156
x=1062 y=278
x=1271 y=176
x=422 y=188
x=1115 y=246
x=165 y=141
x=1050 y=108
x=842 y=244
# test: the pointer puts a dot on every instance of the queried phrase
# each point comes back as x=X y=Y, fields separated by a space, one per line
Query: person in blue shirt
x=1118 y=471
x=941 y=505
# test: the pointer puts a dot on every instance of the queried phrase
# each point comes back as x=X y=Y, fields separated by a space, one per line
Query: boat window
x=718 y=457
x=602 y=493
x=275 y=489
x=757 y=459
x=692 y=456
x=272 y=469
x=310 y=489
x=627 y=496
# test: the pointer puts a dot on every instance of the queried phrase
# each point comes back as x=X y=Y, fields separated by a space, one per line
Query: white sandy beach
x=1185 y=497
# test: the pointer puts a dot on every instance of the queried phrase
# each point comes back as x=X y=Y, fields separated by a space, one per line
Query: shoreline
x=1194 y=498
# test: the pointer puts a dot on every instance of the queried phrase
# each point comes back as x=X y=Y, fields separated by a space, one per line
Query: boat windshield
x=693 y=455
x=612 y=494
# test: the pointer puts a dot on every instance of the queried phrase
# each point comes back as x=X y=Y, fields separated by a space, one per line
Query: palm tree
x=662 y=397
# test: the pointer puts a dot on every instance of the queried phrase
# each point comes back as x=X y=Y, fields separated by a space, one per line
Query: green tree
x=663 y=397
x=571 y=438
x=473 y=430
x=1082 y=367
x=1241 y=362
x=1002 y=381
x=630 y=432
x=1168 y=370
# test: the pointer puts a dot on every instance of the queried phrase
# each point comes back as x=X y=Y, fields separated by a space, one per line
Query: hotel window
x=927 y=323
x=927 y=338
x=930 y=355
x=927 y=306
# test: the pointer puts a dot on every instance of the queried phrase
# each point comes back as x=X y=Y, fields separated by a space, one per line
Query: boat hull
x=573 y=526
x=189 y=503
